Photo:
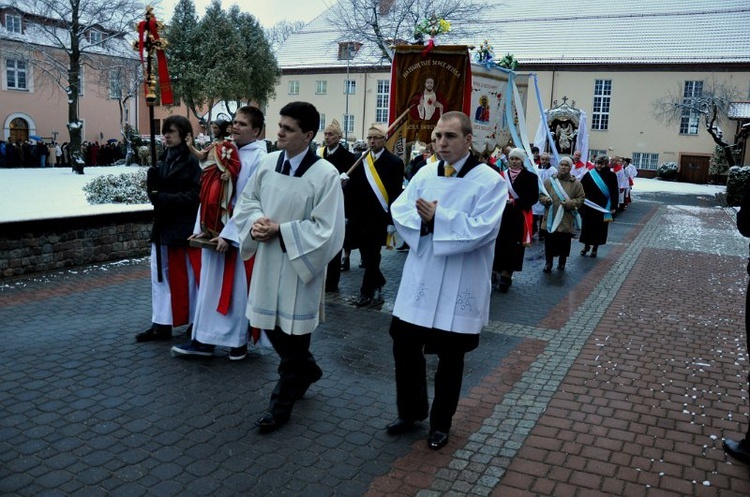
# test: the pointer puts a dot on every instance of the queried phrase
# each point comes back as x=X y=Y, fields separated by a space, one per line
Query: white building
x=614 y=59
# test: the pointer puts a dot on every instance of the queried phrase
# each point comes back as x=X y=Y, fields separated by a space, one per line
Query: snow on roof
x=567 y=31
x=739 y=110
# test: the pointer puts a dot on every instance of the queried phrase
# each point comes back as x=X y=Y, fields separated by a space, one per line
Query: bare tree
x=386 y=22
x=280 y=31
x=74 y=33
x=708 y=106
x=121 y=80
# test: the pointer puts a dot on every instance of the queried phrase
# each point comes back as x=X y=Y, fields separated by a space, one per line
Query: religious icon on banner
x=425 y=84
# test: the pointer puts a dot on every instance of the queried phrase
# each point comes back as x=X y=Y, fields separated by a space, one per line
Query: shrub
x=667 y=171
x=123 y=188
x=737 y=182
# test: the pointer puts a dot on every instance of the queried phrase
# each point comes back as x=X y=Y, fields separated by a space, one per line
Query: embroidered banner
x=428 y=84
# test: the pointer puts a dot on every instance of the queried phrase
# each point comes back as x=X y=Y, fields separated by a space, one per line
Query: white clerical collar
x=295 y=161
x=458 y=165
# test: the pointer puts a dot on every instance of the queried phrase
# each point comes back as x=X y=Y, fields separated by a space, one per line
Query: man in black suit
x=336 y=154
x=371 y=189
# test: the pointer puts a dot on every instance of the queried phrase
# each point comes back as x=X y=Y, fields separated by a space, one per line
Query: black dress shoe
x=593 y=254
x=363 y=300
x=739 y=450
x=561 y=267
x=268 y=423
x=547 y=268
x=437 y=440
x=400 y=426
x=157 y=332
x=345 y=264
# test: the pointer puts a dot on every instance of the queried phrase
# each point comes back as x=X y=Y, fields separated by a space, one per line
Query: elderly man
x=291 y=217
x=449 y=215
x=342 y=159
x=371 y=190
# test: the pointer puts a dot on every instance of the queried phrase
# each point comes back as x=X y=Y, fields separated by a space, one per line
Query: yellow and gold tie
x=449 y=171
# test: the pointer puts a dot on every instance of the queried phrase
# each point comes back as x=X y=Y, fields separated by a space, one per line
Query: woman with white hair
x=516 y=225
x=565 y=198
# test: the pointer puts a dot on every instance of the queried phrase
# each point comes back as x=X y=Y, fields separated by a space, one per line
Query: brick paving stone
x=619 y=376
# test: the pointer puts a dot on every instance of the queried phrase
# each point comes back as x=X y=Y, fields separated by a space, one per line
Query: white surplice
x=209 y=325
x=446 y=277
x=538 y=209
x=287 y=286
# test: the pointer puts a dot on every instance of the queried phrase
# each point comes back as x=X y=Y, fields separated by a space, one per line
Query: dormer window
x=13 y=23
x=95 y=37
x=348 y=49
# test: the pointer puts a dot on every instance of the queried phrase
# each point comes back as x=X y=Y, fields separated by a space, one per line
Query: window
x=12 y=23
x=322 y=125
x=294 y=87
x=594 y=153
x=602 y=97
x=350 y=86
x=348 y=49
x=381 y=104
x=115 y=84
x=15 y=74
x=645 y=161
x=321 y=87
x=690 y=119
x=95 y=37
x=349 y=123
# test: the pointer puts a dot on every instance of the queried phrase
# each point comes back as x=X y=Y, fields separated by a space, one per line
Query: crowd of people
x=40 y=153
x=246 y=243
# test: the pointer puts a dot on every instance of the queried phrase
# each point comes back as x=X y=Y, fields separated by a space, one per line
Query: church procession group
x=245 y=244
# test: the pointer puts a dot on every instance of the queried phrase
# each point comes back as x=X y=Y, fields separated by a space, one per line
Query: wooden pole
x=387 y=132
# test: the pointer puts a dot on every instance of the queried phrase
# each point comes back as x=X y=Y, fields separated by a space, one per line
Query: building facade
x=33 y=94
x=613 y=61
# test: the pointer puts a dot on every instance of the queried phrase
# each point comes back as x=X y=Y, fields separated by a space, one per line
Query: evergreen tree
x=183 y=55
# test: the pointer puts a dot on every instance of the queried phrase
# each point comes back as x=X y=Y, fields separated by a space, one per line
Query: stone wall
x=51 y=244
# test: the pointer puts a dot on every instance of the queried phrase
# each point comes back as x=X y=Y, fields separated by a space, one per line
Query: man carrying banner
x=449 y=215
x=371 y=189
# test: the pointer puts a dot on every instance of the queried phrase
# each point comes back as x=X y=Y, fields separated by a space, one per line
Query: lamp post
x=347 y=88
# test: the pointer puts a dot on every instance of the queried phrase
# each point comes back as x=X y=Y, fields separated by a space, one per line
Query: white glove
x=344 y=177
x=391 y=229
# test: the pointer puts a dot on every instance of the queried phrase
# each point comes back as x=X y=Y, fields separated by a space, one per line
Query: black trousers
x=333 y=273
x=370 y=243
x=297 y=370
x=409 y=344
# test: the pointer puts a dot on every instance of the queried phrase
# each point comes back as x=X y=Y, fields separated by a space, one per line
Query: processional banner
x=489 y=97
x=425 y=84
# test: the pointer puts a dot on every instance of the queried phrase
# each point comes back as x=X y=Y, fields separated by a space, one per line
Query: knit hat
x=517 y=152
x=566 y=160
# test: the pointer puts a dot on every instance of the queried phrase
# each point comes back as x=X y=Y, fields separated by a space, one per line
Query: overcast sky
x=267 y=12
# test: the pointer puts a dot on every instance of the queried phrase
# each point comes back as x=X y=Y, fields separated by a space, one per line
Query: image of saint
x=428 y=104
x=482 y=114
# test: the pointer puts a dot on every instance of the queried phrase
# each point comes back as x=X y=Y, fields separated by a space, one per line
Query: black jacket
x=363 y=206
x=174 y=188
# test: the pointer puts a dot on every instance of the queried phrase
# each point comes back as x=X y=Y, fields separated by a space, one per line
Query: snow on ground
x=29 y=194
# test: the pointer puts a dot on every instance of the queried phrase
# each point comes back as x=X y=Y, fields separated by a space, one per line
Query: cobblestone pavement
x=619 y=376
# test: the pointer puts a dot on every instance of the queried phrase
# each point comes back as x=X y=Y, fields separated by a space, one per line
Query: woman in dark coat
x=173 y=187
x=602 y=193
x=515 y=227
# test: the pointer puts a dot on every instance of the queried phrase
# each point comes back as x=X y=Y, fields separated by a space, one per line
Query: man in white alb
x=449 y=215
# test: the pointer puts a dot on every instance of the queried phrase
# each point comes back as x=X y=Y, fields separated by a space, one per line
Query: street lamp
x=347 y=88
